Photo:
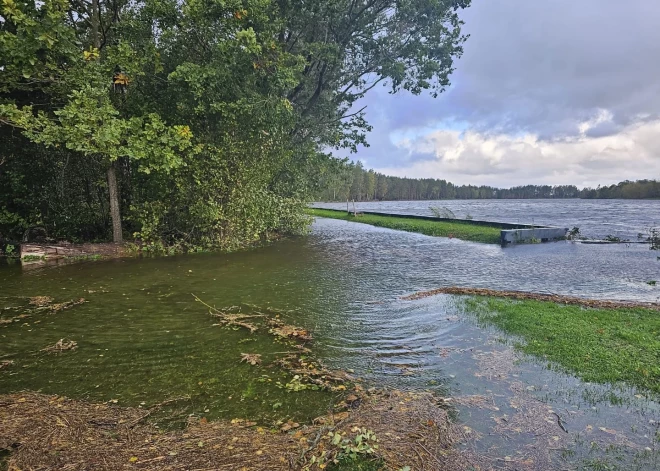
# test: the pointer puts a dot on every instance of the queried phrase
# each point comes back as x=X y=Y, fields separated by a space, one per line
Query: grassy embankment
x=599 y=345
x=458 y=230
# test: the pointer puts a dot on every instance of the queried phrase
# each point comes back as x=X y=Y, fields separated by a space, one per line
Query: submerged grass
x=225 y=406
x=599 y=345
x=221 y=364
x=458 y=230
x=361 y=464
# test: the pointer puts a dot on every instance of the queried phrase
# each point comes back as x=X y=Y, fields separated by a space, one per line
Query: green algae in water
x=142 y=357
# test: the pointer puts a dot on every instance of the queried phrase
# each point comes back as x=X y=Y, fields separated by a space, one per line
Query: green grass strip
x=599 y=345
x=458 y=230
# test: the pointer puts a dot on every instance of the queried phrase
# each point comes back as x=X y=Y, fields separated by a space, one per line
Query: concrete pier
x=510 y=234
x=532 y=235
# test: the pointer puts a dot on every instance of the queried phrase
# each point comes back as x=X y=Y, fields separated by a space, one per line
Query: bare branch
x=10 y=123
x=346 y=116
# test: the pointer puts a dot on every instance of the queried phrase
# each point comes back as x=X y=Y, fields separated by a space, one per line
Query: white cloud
x=473 y=157
x=537 y=79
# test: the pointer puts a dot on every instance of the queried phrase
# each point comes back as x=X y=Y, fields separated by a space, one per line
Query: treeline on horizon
x=351 y=181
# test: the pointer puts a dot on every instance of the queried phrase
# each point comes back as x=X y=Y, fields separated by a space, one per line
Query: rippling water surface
x=344 y=282
x=595 y=218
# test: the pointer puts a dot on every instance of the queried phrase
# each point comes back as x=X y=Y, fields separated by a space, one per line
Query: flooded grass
x=141 y=337
x=361 y=464
x=457 y=230
x=599 y=345
x=159 y=401
x=139 y=360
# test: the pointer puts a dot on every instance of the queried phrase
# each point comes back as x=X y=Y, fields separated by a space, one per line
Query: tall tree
x=370 y=184
x=198 y=123
x=351 y=46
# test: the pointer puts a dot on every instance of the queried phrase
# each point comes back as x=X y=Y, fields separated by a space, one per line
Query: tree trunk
x=115 y=215
x=114 y=205
x=95 y=23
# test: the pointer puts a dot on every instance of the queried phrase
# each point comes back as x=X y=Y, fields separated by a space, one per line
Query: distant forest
x=351 y=181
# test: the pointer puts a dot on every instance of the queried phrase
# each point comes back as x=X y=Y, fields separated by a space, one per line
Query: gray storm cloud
x=538 y=79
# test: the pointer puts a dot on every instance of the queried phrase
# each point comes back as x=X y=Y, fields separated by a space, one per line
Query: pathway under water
x=143 y=338
x=595 y=218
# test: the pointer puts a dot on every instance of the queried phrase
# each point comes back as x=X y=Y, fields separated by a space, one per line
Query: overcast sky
x=547 y=92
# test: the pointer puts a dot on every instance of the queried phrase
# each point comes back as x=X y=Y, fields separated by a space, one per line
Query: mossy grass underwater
x=353 y=425
x=463 y=230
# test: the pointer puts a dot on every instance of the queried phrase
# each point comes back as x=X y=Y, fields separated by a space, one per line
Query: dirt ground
x=42 y=432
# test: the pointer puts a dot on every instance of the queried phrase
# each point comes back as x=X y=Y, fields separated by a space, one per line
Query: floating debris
x=279 y=328
x=65 y=305
x=411 y=429
x=251 y=358
x=40 y=301
x=40 y=304
x=231 y=316
x=17 y=318
x=61 y=346
x=6 y=363
x=476 y=401
x=313 y=372
x=496 y=364
x=237 y=320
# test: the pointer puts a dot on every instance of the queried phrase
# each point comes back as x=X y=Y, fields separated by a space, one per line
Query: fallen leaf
x=251 y=358
x=289 y=425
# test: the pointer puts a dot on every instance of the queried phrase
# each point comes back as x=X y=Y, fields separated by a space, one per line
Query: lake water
x=143 y=338
x=595 y=218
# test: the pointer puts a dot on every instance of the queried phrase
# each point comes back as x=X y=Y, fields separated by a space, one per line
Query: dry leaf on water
x=251 y=358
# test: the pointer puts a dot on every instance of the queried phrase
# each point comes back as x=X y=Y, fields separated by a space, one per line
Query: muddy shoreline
x=523 y=295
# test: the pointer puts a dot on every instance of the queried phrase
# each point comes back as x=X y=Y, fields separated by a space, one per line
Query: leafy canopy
x=220 y=126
